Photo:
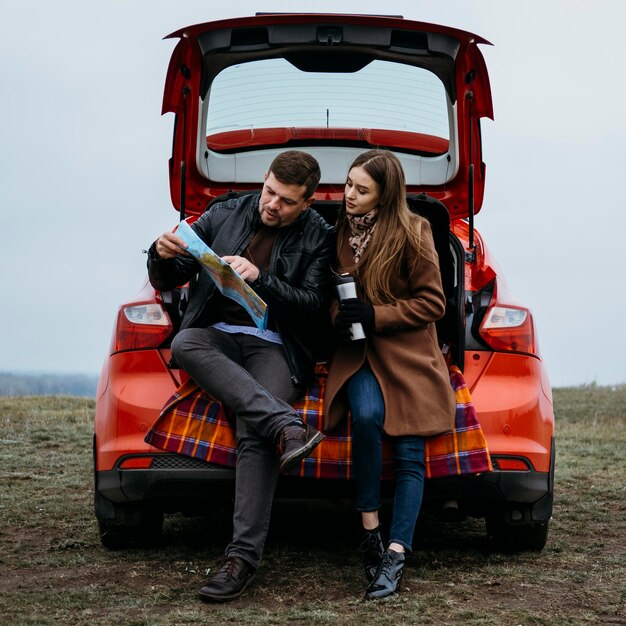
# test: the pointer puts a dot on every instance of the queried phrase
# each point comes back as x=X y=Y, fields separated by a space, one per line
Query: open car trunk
x=245 y=89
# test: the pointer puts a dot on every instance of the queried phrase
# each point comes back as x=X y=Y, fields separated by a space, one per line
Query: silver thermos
x=346 y=288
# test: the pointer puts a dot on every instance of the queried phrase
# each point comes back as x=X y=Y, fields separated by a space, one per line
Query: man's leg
x=257 y=459
x=216 y=361
x=255 y=482
x=219 y=363
x=251 y=376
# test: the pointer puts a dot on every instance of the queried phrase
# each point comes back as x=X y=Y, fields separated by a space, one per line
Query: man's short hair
x=294 y=167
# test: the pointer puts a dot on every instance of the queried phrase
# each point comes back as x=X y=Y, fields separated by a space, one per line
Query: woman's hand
x=343 y=329
x=355 y=311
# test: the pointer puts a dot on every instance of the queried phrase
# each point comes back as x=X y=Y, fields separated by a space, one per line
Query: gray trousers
x=250 y=376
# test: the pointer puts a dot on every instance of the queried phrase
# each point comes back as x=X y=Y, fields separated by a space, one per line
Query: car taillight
x=137 y=462
x=509 y=329
x=141 y=326
x=510 y=464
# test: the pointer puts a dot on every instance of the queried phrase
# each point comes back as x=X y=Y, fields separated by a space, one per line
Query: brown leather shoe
x=229 y=582
x=296 y=442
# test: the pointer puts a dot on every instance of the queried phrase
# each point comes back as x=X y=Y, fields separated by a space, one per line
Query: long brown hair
x=396 y=227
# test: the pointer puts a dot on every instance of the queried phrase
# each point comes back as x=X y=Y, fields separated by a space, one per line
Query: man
x=283 y=250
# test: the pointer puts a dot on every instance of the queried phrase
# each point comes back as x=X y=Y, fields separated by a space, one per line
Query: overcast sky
x=84 y=150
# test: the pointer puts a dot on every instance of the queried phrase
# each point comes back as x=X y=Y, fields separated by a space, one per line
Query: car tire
x=517 y=538
x=115 y=536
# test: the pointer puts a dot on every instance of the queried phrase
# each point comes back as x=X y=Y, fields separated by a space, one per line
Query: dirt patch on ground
x=55 y=570
x=312 y=574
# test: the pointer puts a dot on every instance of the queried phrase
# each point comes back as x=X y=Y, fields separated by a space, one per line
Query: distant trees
x=47 y=385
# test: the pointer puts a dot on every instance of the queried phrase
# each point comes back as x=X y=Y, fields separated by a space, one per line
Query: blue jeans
x=368 y=414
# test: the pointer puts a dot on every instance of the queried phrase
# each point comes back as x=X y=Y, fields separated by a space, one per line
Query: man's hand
x=168 y=245
x=247 y=270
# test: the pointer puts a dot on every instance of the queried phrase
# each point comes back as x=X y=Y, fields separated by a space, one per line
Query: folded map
x=224 y=276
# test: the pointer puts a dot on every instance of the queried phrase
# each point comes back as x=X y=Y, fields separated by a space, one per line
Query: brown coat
x=403 y=351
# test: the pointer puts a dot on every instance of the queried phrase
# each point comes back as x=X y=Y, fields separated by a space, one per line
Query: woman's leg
x=367 y=416
x=408 y=457
x=409 y=469
x=367 y=410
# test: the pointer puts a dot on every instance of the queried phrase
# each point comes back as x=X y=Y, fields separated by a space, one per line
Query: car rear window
x=387 y=96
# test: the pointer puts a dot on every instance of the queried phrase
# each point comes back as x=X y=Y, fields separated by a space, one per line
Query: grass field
x=54 y=570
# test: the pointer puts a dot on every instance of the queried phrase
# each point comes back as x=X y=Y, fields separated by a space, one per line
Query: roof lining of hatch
x=327 y=43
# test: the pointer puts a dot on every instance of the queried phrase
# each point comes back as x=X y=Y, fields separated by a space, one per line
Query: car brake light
x=137 y=462
x=506 y=464
x=509 y=329
x=141 y=326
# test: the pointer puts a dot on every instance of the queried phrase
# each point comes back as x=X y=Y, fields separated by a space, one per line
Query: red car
x=241 y=91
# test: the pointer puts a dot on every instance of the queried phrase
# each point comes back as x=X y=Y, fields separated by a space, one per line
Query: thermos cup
x=346 y=288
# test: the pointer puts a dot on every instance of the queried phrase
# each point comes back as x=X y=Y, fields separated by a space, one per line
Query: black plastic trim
x=478 y=493
x=328 y=47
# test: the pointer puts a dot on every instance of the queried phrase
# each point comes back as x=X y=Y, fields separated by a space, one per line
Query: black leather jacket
x=296 y=288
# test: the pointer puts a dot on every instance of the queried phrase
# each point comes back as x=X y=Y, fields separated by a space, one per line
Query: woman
x=395 y=380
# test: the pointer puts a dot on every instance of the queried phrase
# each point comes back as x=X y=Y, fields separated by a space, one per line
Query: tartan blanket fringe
x=195 y=425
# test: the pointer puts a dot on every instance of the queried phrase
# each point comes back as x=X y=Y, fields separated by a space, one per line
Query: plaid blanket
x=195 y=425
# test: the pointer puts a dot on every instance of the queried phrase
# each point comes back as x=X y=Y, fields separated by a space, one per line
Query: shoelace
x=227 y=568
x=287 y=434
x=385 y=566
x=370 y=541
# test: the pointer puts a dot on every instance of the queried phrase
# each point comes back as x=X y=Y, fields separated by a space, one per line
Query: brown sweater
x=259 y=252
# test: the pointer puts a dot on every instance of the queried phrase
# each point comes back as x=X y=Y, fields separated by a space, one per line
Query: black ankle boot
x=388 y=575
x=372 y=548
